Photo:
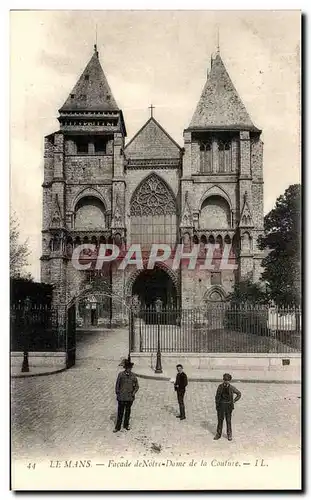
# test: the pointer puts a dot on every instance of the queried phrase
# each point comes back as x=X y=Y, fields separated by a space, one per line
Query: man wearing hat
x=225 y=400
x=126 y=388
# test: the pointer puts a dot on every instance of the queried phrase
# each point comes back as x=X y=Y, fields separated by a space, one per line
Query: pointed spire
x=56 y=219
x=187 y=219
x=246 y=219
x=220 y=105
x=117 y=221
x=92 y=91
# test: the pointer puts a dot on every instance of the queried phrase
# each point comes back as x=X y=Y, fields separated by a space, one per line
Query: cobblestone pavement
x=71 y=414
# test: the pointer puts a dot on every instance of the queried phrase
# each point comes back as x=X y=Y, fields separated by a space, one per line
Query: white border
x=4 y=47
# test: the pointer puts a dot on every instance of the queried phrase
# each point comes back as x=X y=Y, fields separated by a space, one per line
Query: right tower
x=221 y=188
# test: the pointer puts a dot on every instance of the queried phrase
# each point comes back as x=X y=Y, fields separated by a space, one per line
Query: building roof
x=152 y=142
x=220 y=106
x=92 y=91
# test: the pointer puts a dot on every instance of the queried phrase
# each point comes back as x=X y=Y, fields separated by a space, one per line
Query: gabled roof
x=91 y=92
x=220 y=105
x=152 y=142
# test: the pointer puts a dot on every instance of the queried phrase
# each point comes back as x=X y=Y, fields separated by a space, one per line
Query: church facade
x=99 y=189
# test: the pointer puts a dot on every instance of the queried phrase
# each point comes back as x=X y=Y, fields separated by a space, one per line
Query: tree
x=282 y=238
x=247 y=292
x=19 y=252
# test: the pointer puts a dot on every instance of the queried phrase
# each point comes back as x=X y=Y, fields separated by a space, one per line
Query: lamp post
x=25 y=365
x=158 y=306
x=134 y=310
x=130 y=333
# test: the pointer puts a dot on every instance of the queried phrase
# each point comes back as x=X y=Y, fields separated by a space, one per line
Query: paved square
x=71 y=414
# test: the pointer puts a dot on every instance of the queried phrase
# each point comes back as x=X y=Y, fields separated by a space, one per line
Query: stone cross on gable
x=151 y=107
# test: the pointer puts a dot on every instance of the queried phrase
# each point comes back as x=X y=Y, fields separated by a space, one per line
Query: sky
x=158 y=57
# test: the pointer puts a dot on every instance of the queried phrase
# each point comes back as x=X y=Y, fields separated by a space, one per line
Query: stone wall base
x=222 y=361
x=40 y=359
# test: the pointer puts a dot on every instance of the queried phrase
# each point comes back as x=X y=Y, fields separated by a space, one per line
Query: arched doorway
x=152 y=284
x=93 y=336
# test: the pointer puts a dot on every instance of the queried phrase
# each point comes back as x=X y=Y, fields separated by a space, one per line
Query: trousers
x=224 y=411
x=180 y=399
x=123 y=406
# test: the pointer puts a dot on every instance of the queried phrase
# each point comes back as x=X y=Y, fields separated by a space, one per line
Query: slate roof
x=152 y=142
x=92 y=91
x=220 y=105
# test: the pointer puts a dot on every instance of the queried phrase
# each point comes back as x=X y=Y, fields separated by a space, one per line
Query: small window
x=216 y=278
x=82 y=145
x=100 y=144
x=72 y=96
x=87 y=77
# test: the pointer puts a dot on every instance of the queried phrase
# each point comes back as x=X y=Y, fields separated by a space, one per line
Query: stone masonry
x=98 y=189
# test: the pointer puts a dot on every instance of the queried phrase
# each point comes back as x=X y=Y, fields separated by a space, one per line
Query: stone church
x=100 y=188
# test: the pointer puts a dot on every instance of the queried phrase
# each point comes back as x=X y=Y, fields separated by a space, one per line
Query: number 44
x=31 y=466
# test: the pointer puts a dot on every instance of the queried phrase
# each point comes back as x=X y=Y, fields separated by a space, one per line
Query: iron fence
x=35 y=329
x=218 y=328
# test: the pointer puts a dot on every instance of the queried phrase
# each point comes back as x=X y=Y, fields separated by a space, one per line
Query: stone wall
x=88 y=169
x=71 y=177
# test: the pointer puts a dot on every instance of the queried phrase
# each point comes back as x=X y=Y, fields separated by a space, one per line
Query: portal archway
x=151 y=284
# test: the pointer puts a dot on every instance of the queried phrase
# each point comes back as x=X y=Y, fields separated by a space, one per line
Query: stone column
x=186 y=170
x=195 y=158
x=118 y=158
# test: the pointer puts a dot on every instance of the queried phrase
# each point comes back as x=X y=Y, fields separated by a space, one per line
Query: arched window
x=219 y=241
x=153 y=213
x=89 y=214
x=215 y=213
x=211 y=240
x=227 y=240
x=205 y=157
x=77 y=242
x=69 y=247
x=246 y=243
x=224 y=156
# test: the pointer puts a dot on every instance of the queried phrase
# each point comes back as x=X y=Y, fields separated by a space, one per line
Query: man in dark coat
x=126 y=388
x=180 y=387
x=225 y=404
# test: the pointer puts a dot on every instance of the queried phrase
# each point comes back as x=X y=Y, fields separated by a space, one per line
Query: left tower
x=83 y=187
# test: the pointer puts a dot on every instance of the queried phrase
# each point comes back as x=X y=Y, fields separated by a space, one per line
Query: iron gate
x=217 y=328
x=71 y=336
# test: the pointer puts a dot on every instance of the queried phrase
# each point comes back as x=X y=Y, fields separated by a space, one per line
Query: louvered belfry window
x=153 y=213
x=224 y=156
x=206 y=157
